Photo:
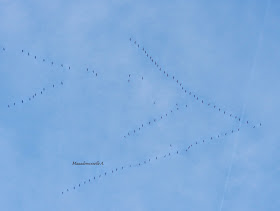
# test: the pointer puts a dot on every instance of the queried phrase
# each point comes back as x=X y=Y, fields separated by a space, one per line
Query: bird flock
x=177 y=152
x=190 y=93
x=148 y=123
x=50 y=86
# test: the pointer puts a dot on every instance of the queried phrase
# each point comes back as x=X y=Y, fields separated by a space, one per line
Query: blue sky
x=226 y=52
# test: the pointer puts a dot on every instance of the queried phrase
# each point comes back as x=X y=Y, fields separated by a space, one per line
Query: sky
x=98 y=87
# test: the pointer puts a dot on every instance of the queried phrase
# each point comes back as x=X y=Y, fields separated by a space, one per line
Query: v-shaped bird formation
x=48 y=87
x=187 y=92
x=181 y=151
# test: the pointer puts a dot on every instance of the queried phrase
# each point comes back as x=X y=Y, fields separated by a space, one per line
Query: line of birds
x=52 y=63
x=189 y=93
x=149 y=123
x=146 y=161
x=36 y=94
